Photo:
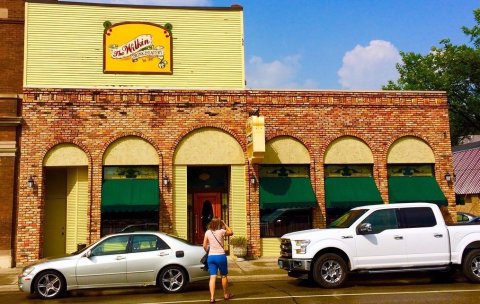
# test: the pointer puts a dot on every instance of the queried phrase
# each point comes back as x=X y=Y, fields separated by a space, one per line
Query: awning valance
x=350 y=192
x=286 y=192
x=130 y=195
x=406 y=189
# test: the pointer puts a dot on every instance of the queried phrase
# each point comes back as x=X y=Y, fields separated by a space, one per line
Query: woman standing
x=213 y=243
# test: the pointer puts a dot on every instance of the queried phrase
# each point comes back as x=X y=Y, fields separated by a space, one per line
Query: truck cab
x=381 y=238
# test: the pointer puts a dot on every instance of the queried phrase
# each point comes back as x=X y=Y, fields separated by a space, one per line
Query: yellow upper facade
x=93 y=45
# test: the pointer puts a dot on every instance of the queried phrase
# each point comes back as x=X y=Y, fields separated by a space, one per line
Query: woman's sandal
x=228 y=297
x=212 y=301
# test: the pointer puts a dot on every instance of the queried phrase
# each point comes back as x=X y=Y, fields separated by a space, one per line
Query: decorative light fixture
x=31 y=182
x=253 y=180
x=166 y=181
x=448 y=177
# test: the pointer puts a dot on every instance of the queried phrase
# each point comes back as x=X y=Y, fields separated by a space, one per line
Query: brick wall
x=94 y=119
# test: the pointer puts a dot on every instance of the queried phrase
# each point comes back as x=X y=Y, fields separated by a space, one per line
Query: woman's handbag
x=204 y=261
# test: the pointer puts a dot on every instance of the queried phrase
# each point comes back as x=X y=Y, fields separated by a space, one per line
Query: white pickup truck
x=382 y=238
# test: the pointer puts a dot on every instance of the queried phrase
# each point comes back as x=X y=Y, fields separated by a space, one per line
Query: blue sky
x=336 y=44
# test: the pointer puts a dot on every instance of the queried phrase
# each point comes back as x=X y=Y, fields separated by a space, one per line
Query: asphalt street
x=401 y=288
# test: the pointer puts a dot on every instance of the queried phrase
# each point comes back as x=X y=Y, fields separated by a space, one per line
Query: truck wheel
x=330 y=271
x=471 y=266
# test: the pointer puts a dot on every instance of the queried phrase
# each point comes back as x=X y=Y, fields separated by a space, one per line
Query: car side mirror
x=365 y=228
x=88 y=253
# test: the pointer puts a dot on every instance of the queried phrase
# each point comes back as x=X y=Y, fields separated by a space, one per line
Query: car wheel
x=172 y=279
x=471 y=266
x=49 y=284
x=330 y=271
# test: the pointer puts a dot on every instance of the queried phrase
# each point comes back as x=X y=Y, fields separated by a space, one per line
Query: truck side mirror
x=88 y=253
x=365 y=228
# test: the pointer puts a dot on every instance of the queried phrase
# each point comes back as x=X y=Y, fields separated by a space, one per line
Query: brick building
x=110 y=140
x=11 y=65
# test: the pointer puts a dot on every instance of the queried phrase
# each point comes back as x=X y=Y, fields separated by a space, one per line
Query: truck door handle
x=438 y=235
x=398 y=237
x=120 y=257
x=163 y=254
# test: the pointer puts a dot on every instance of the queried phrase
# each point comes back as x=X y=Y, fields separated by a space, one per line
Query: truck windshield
x=347 y=219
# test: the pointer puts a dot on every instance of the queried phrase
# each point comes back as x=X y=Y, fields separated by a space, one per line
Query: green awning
x=407 y=189
x=350 y=192
x=286 y=192
x=130 y=195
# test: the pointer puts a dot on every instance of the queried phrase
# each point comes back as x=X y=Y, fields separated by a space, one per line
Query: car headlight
x=28 y=270
x=303 y=246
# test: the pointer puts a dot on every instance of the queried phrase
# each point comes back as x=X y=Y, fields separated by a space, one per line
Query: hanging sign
x=255 y=130
x=137 y=47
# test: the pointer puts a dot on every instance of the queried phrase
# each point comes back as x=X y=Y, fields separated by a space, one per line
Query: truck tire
x=471 y=266
x=330 y=271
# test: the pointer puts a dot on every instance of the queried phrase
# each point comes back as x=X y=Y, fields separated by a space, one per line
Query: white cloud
x=369 y=67
x=152 y=2
x=281 y=73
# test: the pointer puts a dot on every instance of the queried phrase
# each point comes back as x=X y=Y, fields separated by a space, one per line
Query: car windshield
x=347 y=219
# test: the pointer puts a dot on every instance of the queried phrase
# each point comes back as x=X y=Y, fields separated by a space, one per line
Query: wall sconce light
x=253 y=180
x=448 y=177
x=166 y=181
x=31 y=182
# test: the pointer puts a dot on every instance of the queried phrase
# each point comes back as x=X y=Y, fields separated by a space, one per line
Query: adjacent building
x=466 y=165
x=135 y=115
x=11 y=66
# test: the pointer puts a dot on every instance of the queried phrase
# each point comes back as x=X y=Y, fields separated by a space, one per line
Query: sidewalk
x=262 y=269
x=8 y=279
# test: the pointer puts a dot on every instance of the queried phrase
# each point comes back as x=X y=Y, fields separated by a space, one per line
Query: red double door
x=205 y=207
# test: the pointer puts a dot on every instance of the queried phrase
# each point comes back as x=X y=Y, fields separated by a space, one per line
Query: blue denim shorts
x=216 y=262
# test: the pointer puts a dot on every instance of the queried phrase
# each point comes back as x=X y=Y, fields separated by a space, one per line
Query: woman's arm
x=228 y=230
x=205 y=242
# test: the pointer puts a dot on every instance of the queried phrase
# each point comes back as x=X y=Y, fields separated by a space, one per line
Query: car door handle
x=163 y=254
x=120 y=257
x=438 y=235
x=398 y=237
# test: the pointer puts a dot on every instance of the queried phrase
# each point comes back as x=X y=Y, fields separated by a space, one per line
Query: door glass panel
x=113 y=245
x=207 y=214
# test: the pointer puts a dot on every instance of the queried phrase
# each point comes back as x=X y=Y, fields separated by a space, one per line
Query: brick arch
x=417 y=135
x=242 y=143
x=52 y=145
x=127 y=134
x=276 y=134
x=332 y=138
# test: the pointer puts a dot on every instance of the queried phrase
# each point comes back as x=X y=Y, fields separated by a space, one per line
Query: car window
x=382 y=220
x=142 y=243
x=417 y=217
x=112 y=245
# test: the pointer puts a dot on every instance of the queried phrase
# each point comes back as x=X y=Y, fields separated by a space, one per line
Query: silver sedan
x=118 y=260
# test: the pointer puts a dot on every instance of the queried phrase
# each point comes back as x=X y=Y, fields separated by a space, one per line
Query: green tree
x=451 y=68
